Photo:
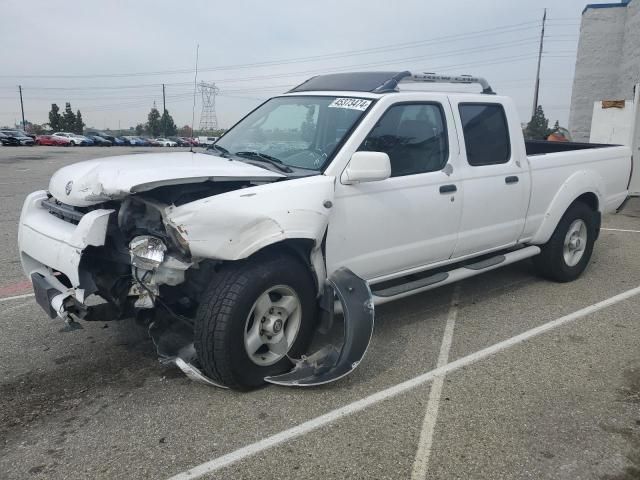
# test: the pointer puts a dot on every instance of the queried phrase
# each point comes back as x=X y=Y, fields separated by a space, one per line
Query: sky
x=110 y=59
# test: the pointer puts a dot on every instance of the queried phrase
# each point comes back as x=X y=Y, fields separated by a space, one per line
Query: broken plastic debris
x=331 y=363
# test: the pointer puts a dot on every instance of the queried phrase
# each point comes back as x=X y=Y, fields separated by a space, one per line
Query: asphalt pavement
x=559 y=402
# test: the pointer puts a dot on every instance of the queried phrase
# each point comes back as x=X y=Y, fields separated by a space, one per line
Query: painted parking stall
x=65 y=398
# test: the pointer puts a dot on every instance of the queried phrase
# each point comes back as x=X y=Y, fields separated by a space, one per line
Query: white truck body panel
x=46 y=241
x=96 y=181
x=234 y=225
x=381 y=230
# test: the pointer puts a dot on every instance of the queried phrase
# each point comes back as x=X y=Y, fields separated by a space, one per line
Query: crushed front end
x=108 y=261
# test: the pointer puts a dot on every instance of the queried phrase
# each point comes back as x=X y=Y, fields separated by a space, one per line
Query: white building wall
x=629 y=73
x=598 y=63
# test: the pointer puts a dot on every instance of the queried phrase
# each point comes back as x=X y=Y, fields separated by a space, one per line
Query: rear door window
x=486 y=133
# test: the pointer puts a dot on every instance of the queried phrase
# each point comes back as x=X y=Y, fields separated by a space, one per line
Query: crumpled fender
x=236 y=224
x=330 y=363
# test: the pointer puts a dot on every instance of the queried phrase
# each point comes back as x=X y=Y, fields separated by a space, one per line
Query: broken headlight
x=147 y=252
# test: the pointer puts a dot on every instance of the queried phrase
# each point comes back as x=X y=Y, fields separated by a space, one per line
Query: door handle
x=448 y=189
x=512 y=179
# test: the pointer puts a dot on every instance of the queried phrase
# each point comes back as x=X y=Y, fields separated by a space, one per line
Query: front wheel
x=253 y=315
x=567 y=253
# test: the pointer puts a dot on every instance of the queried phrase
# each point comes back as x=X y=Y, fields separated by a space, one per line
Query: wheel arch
x=582 y=186
x=306 y=250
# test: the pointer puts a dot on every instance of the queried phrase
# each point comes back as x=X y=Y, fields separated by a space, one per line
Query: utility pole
x=537 y=87
x=164 y=114
x=24 y=126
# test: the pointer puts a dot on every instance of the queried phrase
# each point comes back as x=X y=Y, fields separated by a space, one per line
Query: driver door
x=411 y=219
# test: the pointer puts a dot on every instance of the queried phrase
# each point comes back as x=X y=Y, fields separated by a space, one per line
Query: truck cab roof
x=381 y=82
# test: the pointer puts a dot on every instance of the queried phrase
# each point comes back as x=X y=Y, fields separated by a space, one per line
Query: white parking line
x=619 y=230
x=423 y=452
x=17 y=297
x=359 y=405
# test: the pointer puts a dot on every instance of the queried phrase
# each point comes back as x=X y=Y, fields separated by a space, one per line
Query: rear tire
x=567 y=253
x=229 y=309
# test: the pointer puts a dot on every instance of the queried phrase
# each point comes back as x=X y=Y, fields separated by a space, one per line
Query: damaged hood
x=111 y=178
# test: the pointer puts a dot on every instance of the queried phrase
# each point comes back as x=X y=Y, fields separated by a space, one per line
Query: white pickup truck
x=348 y=191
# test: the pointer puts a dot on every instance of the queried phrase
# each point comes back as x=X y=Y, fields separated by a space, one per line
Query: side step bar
x=395 y=292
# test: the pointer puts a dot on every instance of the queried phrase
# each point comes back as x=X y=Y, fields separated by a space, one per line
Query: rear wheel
x=252 y=316
x=567 y=253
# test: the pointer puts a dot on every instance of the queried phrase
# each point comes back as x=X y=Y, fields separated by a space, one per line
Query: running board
x=384 y=295
x=412 y=285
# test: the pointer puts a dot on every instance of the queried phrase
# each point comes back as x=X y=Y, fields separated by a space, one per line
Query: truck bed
x=558 y=176
x=540 y=147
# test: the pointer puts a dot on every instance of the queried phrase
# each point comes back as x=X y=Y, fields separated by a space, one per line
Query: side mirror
x=367 y=167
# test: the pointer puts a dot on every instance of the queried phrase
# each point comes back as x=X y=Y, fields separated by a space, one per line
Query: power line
x=481 y=48
x=433 y=41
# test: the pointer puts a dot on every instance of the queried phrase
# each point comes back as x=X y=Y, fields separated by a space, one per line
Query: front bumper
x=50 y=246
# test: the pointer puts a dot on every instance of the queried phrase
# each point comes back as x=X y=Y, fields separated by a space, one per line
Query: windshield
x=300 y=131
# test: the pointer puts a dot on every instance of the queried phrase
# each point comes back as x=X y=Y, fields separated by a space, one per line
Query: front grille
x=65 y=212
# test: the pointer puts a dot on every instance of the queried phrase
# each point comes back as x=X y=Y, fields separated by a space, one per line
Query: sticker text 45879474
x=351 y=103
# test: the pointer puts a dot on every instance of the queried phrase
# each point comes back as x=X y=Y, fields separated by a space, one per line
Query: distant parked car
x=179 y=141
x=100 y=141
x=90 y=142
x=23 y=138
x=191 y=141
x=165 y=142
x=24 y=134
x=118 y=141
x=74 y=139
x=52 y=140
x=136 y=141
x=9 y=140
x=152 y=142
x=207 y=140
x=105 y=135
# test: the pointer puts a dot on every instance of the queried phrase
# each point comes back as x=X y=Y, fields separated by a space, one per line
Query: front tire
x=567 y=253
x=253 y=314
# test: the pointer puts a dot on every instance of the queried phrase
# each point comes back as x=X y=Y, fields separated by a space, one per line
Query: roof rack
x=437 y=78
x=382 y=82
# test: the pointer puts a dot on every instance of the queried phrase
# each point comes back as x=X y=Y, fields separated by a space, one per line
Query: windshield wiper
x=219 y=148
x=276 y=162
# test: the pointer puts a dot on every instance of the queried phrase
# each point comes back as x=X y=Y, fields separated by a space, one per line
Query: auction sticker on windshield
x=351 y=103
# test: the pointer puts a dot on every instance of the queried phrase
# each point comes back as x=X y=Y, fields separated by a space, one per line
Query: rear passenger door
x=495 y=180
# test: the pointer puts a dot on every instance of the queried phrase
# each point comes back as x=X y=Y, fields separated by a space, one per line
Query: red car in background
x=52 y=140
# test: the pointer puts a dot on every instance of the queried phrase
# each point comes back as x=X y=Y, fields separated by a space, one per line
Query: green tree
x=185 y=131
x=153 y=122
x=556 y=127
x=168 y=125
x=538 y=126
x=79 y=126
x=140 y=128
x=34 y=128
x=55 y=119
x=68 y=119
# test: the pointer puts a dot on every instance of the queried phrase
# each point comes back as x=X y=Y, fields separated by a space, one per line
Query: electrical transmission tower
x=208 y=118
